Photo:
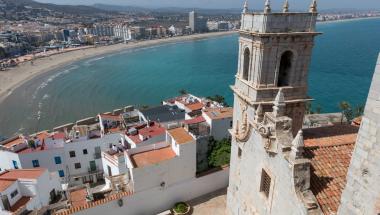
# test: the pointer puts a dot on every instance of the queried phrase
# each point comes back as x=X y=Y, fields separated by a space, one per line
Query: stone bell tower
x=275 y=52
x=268 y=171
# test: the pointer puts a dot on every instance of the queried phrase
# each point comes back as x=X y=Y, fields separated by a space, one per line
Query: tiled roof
x=19 y=204
x=180 y=135
x=195 y=106
x=78 y=197
x=22 y=174
x=330 y=150
x=4 y=184
x=155 y=129
x=15 y=141
x=152 y=157
x=218 y=113
x=195 y=120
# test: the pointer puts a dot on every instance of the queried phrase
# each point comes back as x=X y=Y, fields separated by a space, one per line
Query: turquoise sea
x=343 y=63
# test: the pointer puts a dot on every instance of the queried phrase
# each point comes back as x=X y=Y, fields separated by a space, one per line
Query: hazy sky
x=256 y=4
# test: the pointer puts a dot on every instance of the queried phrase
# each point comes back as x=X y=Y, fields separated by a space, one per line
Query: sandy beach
x=14 y=77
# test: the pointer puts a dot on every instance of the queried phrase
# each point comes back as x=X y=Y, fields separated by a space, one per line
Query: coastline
x=26 y=71
x=347 y=20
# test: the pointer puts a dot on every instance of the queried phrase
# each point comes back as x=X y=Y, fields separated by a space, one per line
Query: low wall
x=158 y=199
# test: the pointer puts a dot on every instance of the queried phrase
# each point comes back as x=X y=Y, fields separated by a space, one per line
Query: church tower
x=275 y=52
x=268 y=173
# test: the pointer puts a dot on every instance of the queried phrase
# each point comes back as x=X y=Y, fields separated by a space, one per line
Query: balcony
x=93 y=169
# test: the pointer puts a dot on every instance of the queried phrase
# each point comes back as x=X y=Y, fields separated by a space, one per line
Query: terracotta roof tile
x=195 y=120
x=4 y=184
x=180 y=135
x=22 y=173
x=78 y=197
x=15 y=141
x=88 y=205
x=19 y=204
x=152 y=157
x=195 y=106
x=330 y=150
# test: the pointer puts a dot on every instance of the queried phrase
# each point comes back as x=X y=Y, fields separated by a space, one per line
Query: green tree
x=220 y=152
x=31 y=143
x=318 y=109
x=346 y=111
x=308 y=108
x=218 y=98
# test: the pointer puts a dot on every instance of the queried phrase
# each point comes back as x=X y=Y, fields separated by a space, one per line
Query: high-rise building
x=197 y=24
x=66 y=34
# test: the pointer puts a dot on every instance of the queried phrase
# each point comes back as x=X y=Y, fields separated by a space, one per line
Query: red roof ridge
x=110 y=198
x=330 y=145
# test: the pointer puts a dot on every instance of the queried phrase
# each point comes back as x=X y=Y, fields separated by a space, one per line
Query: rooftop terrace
x=152 y=157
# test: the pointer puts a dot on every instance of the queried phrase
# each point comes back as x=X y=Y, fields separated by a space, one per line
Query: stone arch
x=246 y=61
x=285 y=68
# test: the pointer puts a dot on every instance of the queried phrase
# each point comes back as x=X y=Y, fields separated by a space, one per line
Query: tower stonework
x=362 y=191
x=268 y=173
x=275 y=52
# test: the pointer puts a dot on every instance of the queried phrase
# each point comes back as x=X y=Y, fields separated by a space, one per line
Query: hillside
x=25 y=5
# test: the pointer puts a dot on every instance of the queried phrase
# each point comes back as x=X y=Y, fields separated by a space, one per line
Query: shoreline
x=347 y=20
x=13 y=78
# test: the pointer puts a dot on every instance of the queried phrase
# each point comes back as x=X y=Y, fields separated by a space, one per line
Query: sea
x=342 y=66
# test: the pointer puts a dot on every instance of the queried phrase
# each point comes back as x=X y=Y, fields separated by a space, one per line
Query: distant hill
x=68 y=9
x=122 y=8
x=119 y=8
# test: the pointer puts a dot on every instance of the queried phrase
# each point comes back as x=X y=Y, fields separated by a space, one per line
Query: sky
x=217 y=4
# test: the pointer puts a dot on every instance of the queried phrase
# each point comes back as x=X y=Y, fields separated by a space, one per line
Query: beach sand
x=14 y=77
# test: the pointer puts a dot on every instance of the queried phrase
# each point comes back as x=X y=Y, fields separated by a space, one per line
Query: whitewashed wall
x=158 y=199
x=6 y=158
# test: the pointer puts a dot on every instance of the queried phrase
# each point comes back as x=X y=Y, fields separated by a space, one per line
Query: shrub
x=180 y=207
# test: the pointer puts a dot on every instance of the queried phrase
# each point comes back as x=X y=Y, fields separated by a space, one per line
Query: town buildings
x=128 y=152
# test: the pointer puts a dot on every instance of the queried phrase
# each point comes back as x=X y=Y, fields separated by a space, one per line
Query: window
x=61 y=173
x=285 y=69
x=57 y=160
x=15 y=165
x=239 y=152
x=36 y=163
x=77 y=165
x=265 y=183
x=14 y=194
x=72 y=154
x=85 y=151
x=246 y=64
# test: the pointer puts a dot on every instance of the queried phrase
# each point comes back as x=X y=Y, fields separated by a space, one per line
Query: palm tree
x=344 y=107
x=359 y=110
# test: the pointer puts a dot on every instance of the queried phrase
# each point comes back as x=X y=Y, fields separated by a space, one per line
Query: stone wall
x=362 y=192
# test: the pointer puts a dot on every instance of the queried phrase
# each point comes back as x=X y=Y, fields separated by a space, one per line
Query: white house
x=25 y=190
x=155 y=165
x=220 y=121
